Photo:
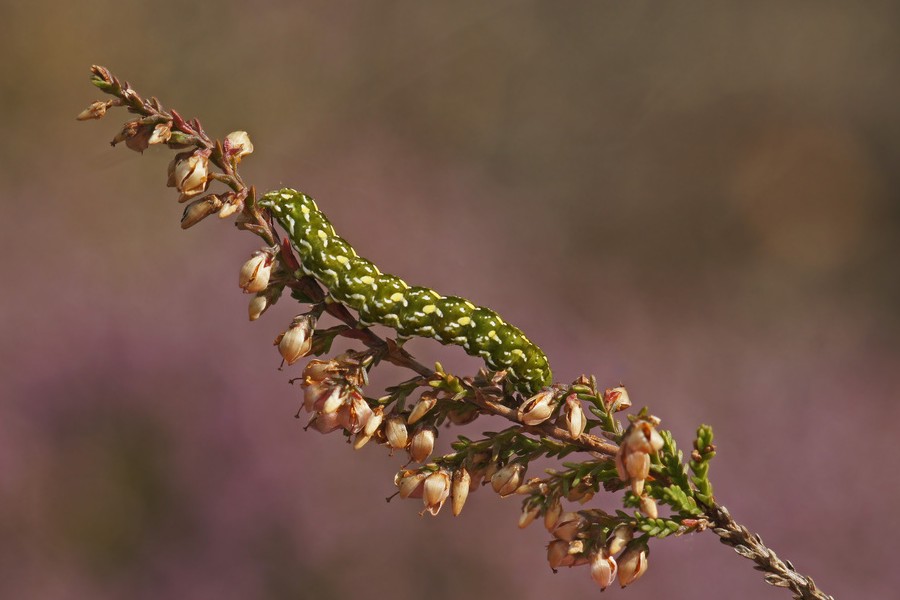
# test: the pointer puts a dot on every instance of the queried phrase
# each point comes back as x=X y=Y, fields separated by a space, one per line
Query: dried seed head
x=459 y=489
x=573 y=416
x=426 y=402
x=568 y=526
x=619 y=538
x=506 y=480
x=648 y=507
x=410 y=483
x=422 y=443
x=616 y=399
x=395 y=432
x=603 y=569
x=237 y=145
x=255 y=274
x=537 y=409
x=296 y=342
x=552 y=514
x=437 y=489
x=95 y=111
x=199 y=209
x=191 y=173
x=558 y=554
x=632 y=564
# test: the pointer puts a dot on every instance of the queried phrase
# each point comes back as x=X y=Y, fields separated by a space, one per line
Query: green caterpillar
x=411 y=310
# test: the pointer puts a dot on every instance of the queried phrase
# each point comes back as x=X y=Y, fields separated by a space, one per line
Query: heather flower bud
x=422 y=444
x=603 y=569
x=374 y=421
x=568 y=526
x=528 y=515
x=552 y=514
x=619 y=538
x=437 y=489
x=257 y=307
x=633 y=458
x=237 y=145
x=395 y=432
x=326 y=423
x=254 y=275
x=160 y=133
x=296 y=342
x=506 y=480
x=330 y=401
x=95 y=111
x=632 y=564
x=648 y=507
x=199 y=209
x=573 y=416
x=558 y=554
x=459 y=489
x=537 y=409
x=361 y=440
x=616 y=399
x=410 y=483
x=317 y=371
x=190 y=174
x=426 y=403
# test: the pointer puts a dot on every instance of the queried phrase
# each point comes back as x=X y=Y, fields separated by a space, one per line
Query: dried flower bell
x=537 y=409
x=506 y=480
x=189 y=173
x=396 y=433
x=436 y=491
x=640 y=440
x=426 y=402
x=573 y=419
x=632 y=564
x=237 y=145
x=421 y=445
x=95 y=111
x=296 y=342
x=410 y=483
x=616 y=399
x=199 y=209
x=603 y=569
x=460 y=486
x=255 y=273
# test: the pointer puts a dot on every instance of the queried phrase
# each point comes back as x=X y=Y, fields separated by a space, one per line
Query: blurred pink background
x=699 y=201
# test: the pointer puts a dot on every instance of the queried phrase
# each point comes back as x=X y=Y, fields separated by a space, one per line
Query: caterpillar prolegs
x=411 y=310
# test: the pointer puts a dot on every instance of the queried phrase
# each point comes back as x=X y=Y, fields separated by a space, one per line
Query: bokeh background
x=696 y=199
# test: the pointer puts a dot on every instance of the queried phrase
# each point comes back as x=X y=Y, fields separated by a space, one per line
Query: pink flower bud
x=254 y=275
x=426 y=402
x=616 y=399
x=437 y=489
x=191 y=174
x=237 y=145
x=573 y=416
x=632 y=564
x=95 y=111
x=374 y=421
x=326 y=423
x=558 y=554
x=395 y=432
x=410 y=483
x=528 y=515
x=422 y=444
x=552 y=514
x=459 y=489
x=257 y=307
x=603 y=569
x=568 y=526
x=506 y=480
x=199 y=209
x=619 y=538
x=648 y=507
x=296 y=342
x=537 y=409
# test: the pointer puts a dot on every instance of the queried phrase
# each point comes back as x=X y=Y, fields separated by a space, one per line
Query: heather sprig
x=578 y=424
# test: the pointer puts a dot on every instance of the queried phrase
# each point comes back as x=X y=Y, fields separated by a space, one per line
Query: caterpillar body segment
x=410 y=310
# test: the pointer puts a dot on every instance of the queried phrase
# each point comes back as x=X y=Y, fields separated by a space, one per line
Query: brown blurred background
x=698 y=200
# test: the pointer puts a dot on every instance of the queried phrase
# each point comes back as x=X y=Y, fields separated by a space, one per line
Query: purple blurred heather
x=698 y=201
